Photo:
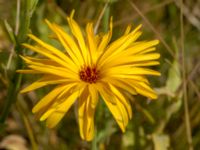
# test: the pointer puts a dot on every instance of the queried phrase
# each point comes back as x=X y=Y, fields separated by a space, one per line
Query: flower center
x=89 y=74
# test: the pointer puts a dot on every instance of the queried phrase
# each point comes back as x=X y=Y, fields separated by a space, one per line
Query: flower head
x=88 y=68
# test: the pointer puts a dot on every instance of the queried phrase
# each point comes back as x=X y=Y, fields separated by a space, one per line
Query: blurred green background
x=170 y=123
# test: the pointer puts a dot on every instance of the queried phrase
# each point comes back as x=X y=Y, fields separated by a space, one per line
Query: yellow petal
x=117 y=47
x=146 y=63
x=81 y=109
x=86 y=116
x=148 y=50
x=48 y=112
x=104 y=42
x=46 y=100
x=67 y=42
x=130 y=52
x=94 y=95
x=128 y=72
x=115 y=110
x=43 y=82
x=76 y=31
x=103 y=88
x=91 y=42
x=46 y=64
x=73 y=48
x=124 y=113
x=54 y=71
x=49 y=47
x=31 y=60
x=105 y=39
x=71 y=54
x=129 y=60
x=123 y=101
x=60 y=100
x=90 y=121
x=144 y=89
x=140 y=47
x=119 y=83
x=65 y=63
x=26 y=71
x=128 y=29
x=61 y=110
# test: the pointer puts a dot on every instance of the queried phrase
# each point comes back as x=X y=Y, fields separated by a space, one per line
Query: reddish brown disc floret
x=89 y=74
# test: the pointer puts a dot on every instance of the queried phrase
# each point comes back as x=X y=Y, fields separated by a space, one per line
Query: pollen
x=89 y=74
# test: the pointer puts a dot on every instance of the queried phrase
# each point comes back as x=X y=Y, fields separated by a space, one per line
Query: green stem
x=12 y=92
x=94 y=142
x=15 y=82
x=136 y=133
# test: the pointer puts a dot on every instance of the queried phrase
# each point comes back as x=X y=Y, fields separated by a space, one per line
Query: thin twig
x=27 y=125
x=189 y=15
x=195 y=88
x=185 y=100
x=189 y=78
x=17 y=17
x=152 y=28
x=100 y=16
x=148 y=10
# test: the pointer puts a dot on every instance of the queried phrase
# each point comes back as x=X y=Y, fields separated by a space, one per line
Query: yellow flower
x=90 y=67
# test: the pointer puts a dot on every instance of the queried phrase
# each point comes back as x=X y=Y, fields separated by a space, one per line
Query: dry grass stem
x=185 y=100
x=152 y=28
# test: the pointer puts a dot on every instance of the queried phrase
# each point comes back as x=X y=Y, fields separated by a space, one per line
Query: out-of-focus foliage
x=158 y=125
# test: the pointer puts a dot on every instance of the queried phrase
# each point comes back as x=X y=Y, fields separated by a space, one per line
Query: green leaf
x=10 y=32
x=174 y=77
